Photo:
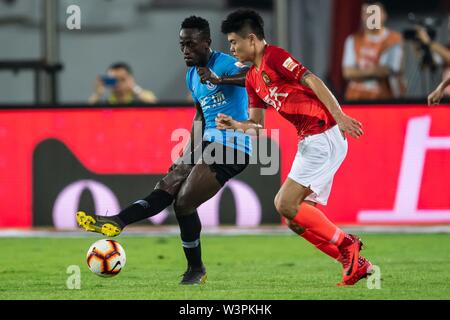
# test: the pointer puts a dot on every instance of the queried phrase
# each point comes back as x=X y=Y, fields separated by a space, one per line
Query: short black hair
x=194 y=22
x=244 y=20
x=121 y=65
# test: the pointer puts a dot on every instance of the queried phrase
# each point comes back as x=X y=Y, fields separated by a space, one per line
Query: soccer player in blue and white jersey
x=206 y=163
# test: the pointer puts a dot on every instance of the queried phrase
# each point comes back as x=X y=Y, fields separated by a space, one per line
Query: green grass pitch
x=413 y=266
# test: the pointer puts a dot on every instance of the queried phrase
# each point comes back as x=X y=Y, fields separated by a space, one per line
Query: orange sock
x=321 y=244
x=311 y=218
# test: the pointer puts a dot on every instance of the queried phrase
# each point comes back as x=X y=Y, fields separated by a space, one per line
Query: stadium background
x=145 y=34
x=57 y=160
x=59 y=154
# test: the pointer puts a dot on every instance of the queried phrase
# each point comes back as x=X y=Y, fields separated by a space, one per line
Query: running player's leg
x=311 y=176
x=288 y=201
x=320 y=243
x=161 y=197
x=364 y=265
x=200 y=186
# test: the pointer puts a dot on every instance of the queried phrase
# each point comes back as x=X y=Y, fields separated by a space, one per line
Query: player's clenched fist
x=435 y=97
x=225 y=122
x=206 y=74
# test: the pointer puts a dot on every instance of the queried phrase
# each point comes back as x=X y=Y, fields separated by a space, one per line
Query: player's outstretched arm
x=345 y=123
x=436 y=96
x=235 y=80
x=252 y=126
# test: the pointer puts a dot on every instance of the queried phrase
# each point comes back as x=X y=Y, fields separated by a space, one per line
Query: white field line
x=162 y=231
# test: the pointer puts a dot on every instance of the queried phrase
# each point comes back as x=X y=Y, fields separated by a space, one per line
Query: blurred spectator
x=439 y=49
x=373 y=61
x=123 y=87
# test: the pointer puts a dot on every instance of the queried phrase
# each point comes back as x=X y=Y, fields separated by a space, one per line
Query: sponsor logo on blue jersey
x=226 y=99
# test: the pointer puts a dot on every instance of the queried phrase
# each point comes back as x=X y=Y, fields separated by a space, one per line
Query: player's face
x=194 y=47
x=241 y=48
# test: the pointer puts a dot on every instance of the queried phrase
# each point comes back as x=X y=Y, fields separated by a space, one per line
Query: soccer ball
x=106 y=258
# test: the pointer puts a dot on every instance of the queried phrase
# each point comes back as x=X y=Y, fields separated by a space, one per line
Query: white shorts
x=318 y=158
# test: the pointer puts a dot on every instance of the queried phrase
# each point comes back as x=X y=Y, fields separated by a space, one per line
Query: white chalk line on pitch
x=161 y=231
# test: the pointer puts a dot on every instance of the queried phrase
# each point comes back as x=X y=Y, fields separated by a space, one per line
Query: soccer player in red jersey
x=277 y=79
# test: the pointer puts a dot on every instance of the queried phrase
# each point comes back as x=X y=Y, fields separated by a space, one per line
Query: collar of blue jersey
x=212 y=58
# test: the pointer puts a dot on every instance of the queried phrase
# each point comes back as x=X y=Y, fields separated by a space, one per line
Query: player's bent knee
x=278 y=202
x=162 y=185
x=275 y=201
x=286 y=209
x=183 y=206
x=183 y=211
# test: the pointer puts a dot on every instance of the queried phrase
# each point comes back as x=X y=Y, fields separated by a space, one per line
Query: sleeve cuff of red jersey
x=301 y=71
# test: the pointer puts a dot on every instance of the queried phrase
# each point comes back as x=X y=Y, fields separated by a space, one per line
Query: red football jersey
x=277 y=83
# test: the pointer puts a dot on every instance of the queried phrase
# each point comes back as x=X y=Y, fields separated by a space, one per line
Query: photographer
x=373 y=61
x=439 y=49
x=122 y=84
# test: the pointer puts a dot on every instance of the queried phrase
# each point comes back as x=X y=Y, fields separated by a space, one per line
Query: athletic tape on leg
x=191 y=244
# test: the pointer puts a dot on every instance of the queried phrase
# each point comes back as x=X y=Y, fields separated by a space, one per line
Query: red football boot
x=364 y=270
x=349 y=249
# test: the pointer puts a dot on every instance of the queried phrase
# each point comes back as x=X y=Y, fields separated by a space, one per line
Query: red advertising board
x=398 y=172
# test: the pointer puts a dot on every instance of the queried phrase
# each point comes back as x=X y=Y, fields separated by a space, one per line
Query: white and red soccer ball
x=106 y=258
